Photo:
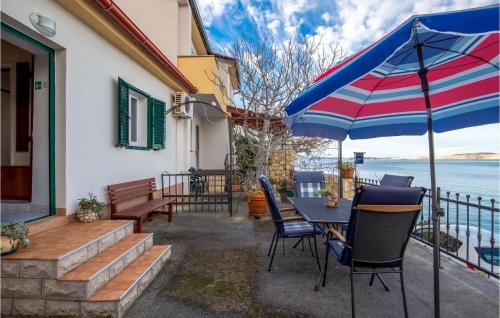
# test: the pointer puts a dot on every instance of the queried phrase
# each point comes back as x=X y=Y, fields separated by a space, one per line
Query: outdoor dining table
x=314 y=210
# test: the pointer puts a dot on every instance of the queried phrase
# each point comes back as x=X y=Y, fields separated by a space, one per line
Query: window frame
x=149 y=122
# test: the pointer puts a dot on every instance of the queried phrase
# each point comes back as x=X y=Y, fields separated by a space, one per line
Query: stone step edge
x=78 y=249
x=167 y=249
x=110 y=264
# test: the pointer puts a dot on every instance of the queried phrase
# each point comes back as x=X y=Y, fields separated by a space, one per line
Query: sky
x=353 y=24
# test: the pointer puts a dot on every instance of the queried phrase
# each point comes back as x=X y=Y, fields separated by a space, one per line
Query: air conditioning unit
x=186 y=109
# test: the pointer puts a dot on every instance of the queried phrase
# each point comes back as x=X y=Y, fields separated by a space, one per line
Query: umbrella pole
x=422 y=73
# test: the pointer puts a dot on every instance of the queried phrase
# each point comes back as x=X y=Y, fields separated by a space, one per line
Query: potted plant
x=257 y=203
x=13 y=235
x=89 y=209
x=331 y=197
x=347 y=169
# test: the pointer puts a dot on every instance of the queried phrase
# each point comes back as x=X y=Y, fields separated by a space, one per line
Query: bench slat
x=145 y=207
x=129 y=184
x=129 y=194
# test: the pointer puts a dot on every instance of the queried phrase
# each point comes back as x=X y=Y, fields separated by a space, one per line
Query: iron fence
x=199 y=190
x=468 y=229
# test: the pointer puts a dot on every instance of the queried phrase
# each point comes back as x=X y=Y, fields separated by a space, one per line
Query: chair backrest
x=381 y=223
x=273 y=204
x=390 y=180
x=308 y=183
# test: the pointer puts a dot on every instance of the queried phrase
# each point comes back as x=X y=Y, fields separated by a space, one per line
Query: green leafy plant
x=16 y=231
x=91 y=204
x=326 y=191
x=345 y=165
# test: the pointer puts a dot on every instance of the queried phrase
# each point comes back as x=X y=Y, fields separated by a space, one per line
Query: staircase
x=95 y=269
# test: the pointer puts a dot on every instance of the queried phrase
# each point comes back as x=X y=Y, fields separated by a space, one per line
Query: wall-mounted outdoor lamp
x=42 y=24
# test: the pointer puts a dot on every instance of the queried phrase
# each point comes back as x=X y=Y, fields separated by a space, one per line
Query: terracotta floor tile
x=56 y=242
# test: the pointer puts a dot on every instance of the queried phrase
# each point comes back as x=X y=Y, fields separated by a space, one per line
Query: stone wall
x=281 y=164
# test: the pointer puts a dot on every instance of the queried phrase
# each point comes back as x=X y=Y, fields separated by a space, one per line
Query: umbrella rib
x=441 y=40
x=464 y=64
x=461 y=53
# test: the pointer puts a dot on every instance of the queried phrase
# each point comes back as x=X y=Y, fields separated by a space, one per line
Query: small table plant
x=13 y=235
x=90 y=208
x=331 y=197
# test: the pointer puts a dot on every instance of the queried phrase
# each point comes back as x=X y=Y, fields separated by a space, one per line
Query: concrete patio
x=218 y=269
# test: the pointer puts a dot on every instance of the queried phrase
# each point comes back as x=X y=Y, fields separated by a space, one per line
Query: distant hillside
x=469 y=156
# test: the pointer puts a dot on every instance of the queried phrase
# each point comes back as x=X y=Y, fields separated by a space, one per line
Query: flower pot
x=86 y=216
x=348 y=173
x=7 y=246
x=257 y=205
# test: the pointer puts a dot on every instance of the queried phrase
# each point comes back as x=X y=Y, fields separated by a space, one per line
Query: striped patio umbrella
x=434 y=73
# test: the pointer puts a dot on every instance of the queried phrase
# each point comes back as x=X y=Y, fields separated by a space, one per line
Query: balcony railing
x=469 y=228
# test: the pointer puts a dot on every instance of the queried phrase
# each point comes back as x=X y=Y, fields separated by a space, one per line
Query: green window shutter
x=123 y=115
x=158 y=124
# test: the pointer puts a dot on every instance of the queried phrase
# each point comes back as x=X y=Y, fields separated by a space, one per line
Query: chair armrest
x=337 y=234
x=288 y=209
x=292 y=218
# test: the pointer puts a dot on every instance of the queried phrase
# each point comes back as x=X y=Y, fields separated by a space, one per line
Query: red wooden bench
x=128 y=192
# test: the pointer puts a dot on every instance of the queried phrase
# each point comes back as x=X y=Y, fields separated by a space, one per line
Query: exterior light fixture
x=42 y=24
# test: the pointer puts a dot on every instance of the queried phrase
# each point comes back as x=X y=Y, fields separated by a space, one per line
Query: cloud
x=326 y=17
x=360 y=22
x=212 y=9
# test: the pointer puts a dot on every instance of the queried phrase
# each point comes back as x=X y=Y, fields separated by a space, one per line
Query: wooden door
x=16 y=183
x=17 y=180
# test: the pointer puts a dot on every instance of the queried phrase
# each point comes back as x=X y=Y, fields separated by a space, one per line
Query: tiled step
x=85 y=280
x=56 y=251
x=116 y=296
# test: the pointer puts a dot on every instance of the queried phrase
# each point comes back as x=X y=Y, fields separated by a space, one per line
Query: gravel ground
x=218 y=269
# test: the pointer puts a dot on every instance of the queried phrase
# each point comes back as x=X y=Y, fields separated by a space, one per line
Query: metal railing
x=199 y=191
x=469 y=228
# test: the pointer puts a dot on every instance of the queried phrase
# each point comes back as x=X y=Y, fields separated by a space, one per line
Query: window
x=141 y=120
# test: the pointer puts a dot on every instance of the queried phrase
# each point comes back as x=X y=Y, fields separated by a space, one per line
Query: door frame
x=51 y=55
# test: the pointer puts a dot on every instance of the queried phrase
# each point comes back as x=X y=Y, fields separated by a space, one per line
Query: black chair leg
x=353 y=312
x=371 y=279
x=298 y=242
x=325 y=267
x=271 y=246
x=274 y=252
x=403 y=292
x=383 y=282
x=310 y=246
x=283 y=241
x=316 y=252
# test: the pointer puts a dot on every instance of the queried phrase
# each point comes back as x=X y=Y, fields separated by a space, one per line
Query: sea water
x=477 y=178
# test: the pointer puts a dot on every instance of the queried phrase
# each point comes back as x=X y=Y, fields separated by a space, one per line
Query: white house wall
x=87 y=70
x=214 y=143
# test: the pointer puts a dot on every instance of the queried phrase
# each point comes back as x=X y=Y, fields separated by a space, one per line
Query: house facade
x=89 y=105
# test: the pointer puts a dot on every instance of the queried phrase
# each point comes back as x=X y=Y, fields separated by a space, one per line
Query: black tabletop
x=314 y=210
